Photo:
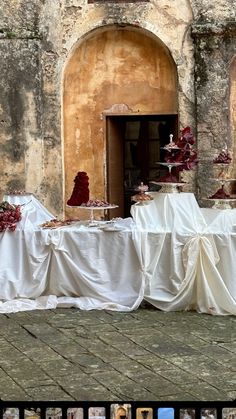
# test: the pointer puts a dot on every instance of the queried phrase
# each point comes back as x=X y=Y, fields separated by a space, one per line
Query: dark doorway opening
x=134 y=146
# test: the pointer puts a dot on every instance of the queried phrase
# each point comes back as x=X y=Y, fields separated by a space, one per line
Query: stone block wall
x=37 y=37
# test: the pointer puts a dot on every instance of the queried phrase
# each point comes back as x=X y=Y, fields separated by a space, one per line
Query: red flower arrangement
x=80 y=194
x=185 y=153
x=10 y=215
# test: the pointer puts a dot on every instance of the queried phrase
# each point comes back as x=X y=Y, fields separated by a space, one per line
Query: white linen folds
x=174 y=255
x=70 y=266
x=188 y=254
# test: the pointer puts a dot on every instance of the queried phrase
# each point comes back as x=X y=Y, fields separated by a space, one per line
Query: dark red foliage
x=186 y=154
x=80 y=194
x=10 y=215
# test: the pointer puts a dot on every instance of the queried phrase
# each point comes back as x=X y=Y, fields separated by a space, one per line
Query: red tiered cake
x=168 y=178
x=80 y=194
x=223 y=157
x=220 y=194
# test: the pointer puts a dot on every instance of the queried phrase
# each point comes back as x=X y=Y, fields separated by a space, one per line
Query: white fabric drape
x=174 y=255
x=71 y=266
x=189 y=271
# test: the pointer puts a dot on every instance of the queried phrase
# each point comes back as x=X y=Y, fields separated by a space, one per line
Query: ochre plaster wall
x=114 y=67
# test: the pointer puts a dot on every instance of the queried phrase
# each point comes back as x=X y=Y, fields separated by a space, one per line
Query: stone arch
x=114 y=70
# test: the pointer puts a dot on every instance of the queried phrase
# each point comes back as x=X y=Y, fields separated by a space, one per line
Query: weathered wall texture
x=115 y=67
x=37 y=39
x=232 y=105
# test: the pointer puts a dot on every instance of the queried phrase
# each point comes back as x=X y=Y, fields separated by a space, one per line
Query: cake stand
x=171 y=146
x=140 y=198
x=222 y=203
x=169 y=187
x=92 y=209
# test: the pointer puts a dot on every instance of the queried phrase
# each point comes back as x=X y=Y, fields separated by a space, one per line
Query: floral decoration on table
x=10 y=215
x=183 y=152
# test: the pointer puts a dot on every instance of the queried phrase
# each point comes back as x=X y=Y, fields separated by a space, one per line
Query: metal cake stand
x=224 y=203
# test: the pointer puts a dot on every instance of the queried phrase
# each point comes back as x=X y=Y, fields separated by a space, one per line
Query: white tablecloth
x=175 y=255
x=188 y=254
x=85 y=268
x=75 y=265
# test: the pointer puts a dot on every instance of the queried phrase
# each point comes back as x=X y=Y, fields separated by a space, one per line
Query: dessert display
x=222 y=198
x=179 y=156
x=51 y=224
x=142 y=197
x=10 y=215
x=17 y=192
x=97 y=203
x=185 y=154
x=220 y=194
x=223 y=157
x=171 y=146
x=80 y=194
x=169 y=178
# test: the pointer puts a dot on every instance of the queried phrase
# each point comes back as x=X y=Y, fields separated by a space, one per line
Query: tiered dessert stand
x=223 y=200
x=222 y=203
x=142 y=197
x=169 y=186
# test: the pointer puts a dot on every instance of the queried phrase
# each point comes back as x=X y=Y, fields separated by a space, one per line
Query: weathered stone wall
x=37 y=37
x=30 y=140
x=215 y=48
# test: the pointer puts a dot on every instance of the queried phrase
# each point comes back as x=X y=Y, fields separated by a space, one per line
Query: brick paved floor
x=67 y=354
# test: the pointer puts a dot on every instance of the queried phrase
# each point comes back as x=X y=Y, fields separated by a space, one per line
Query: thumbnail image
x=166 y=413
x=97 y=413
x=144 y=413
x=53 y=413
x=229 y=413
x=32 y=413
x=75 y=413
x=11 y=413
x=208 y=414
x=121 y=411
x=187 y=414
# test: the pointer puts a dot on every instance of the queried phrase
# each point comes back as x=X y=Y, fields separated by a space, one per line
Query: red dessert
x=220 y=194
x=80 y=194
x=223 y=158
x=184 y=153
x=168 y=178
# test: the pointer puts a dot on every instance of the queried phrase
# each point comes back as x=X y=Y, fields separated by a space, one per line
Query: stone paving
x=146 y=355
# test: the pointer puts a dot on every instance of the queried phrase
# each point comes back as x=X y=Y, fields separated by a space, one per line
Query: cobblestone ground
x=68 y=354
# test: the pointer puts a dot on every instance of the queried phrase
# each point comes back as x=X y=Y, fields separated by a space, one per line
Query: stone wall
x=37 y=38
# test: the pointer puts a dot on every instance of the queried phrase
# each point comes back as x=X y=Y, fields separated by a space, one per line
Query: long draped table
x=173 y=254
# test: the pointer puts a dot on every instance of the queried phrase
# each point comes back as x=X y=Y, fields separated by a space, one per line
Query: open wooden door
x=115 y=127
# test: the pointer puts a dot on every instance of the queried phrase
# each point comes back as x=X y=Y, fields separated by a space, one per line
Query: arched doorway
x=118 y=82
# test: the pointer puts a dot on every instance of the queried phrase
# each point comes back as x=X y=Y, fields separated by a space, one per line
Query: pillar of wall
x=214 y=50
